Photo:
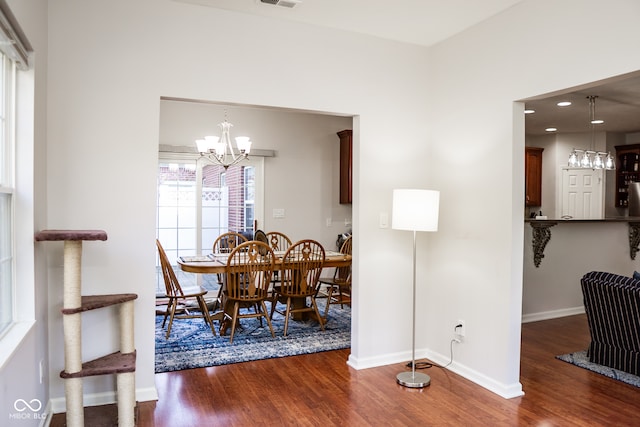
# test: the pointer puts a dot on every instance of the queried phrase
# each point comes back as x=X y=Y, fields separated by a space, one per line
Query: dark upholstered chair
x=612 y=305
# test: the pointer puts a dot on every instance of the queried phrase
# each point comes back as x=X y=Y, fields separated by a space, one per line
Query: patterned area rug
x=192 y=345
x=580 y=359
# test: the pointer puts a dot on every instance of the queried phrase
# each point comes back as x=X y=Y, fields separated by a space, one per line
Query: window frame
x=20 y=129
x=256 y=162
x=7 y=184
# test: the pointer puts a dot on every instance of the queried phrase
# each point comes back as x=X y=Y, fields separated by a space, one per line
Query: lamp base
x=413 y=379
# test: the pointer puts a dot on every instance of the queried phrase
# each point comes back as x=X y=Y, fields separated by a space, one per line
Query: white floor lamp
x=414 y=210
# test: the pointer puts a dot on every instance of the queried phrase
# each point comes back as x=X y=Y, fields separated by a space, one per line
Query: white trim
x=553 y=314
x=192 y=153
x=21 y=122
x=12 y=339
x=507 y=391
x=59 y=404
x=46 y=421
x=15 y=45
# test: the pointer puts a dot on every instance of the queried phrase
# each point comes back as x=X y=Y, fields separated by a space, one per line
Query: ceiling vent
x=283 y=3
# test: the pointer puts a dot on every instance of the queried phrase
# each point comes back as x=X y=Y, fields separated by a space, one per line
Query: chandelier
x=219 y=150
x=591 y=158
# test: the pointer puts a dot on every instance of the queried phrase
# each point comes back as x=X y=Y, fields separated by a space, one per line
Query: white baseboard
x=506 y=391
x=47 y=420
x=59 y=404
x=383 y=360
x=554 y=314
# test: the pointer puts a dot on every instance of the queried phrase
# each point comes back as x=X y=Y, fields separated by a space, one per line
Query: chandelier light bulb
x=573 y=160
x=203 y=146
x=244 y=144
x=219 y=148
x=585 y=161
x=597 y=161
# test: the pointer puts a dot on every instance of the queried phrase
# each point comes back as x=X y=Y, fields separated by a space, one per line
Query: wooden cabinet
x=346 y=166
x=533 y=176
x=627 y=165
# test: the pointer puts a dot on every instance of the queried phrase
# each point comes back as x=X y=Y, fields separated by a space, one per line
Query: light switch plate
x=384 y=220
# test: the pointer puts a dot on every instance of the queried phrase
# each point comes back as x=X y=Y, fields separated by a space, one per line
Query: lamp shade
x=415 y=210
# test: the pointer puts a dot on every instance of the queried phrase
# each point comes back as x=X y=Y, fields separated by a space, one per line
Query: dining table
x=216 y=263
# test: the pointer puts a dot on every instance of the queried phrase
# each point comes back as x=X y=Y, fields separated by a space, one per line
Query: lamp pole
x=413 y=379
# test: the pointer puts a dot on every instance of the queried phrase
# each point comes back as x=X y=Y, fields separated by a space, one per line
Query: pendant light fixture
x=591 y=158
x=219 y=150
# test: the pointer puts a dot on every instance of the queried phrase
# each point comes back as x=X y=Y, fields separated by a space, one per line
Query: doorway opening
x=296 y=185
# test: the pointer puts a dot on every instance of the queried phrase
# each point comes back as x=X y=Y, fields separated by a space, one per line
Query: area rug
x=580 y=359
x=192 y=345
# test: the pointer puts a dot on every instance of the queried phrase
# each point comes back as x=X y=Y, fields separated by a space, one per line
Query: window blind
x=13 y=41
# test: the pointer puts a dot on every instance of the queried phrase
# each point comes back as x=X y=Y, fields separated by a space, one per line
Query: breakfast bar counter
x=541 y=229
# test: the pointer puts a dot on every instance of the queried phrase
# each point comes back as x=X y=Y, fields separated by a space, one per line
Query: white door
x=582 y=194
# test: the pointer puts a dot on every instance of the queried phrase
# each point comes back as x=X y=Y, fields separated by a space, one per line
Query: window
x=17 y=308
x=7 y=190
x=249 y=196
x=176 y=215
x=198 y=201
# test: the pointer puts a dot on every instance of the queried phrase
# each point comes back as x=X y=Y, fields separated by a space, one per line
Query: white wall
x=106 y=81
x=477 y=255
x=302 y=178
x=553 y=289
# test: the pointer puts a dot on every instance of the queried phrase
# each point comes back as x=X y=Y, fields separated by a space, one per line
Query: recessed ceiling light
x=529 y=111
x=564 y=103
x=551 y=129
x=597 y=122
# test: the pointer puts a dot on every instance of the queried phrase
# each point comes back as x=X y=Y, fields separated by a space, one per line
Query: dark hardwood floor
x=321 y=390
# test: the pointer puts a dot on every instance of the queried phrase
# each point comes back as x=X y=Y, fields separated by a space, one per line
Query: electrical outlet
x=459 y=329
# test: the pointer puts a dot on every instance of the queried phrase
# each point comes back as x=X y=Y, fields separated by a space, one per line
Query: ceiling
x=618 y=104
x=422 y=22
x=427 y=22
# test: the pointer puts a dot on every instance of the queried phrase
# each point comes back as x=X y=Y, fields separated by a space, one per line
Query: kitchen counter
x=609 y=219
x=541 y=229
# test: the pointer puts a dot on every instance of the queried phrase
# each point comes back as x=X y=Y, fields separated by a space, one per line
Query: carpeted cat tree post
x=120 y=363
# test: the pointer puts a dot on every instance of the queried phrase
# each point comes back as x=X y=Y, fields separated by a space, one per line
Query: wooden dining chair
x=178 y=306
x=301 y=267
x=279 y=242
x=338 y=286
x=225 y=244
x=249 y=269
